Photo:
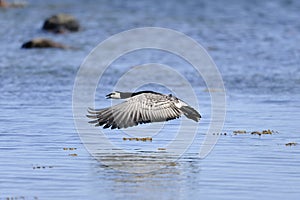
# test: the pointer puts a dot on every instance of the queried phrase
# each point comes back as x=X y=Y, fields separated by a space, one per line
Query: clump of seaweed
x=69 y=148
x=291 y=144
x=161 y=149
x=41 y=167
x=145 y=139
x=264 y=132
x=239 y=132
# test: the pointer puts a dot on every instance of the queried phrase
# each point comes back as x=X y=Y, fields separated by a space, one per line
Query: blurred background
x=255 y=45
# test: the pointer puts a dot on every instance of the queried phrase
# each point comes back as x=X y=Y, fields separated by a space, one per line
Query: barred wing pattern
x=139 y=109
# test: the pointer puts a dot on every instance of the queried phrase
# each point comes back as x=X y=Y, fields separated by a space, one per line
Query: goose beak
x=108 y=96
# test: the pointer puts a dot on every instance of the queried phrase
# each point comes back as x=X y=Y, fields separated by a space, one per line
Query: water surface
x=255 y=46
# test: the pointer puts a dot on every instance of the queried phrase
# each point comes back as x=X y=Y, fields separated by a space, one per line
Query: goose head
x=114 y=95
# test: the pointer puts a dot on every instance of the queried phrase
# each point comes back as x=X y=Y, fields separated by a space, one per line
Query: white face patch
x=116 y=95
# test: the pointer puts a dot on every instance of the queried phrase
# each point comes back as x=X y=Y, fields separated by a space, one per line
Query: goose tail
x=190 y=113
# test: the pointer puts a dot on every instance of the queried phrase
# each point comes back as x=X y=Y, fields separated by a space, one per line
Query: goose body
x=139 y=108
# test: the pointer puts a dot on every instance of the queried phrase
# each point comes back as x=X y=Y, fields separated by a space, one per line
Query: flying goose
x=139 y=108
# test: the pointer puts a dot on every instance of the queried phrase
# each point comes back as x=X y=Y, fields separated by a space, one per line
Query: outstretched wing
x=143 y=108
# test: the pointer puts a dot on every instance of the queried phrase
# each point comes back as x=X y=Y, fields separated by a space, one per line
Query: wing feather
x=143 y=108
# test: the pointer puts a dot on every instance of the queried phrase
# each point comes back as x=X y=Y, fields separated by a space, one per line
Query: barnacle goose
x=139 y=108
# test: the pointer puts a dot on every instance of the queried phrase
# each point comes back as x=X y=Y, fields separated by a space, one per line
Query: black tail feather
x=190 y=113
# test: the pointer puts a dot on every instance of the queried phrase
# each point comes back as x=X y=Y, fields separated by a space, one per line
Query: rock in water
x=42 y=43
x=61 y=23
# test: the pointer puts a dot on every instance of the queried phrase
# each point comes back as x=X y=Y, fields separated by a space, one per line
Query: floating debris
x=239 y=132
x=69 y=148
x=219 y=133
x=161 y=149
x=264 y=132
x=291 y=144
x=41 y=167
x=139 y=139
x=73 y=154
x=256 y=133
x=267 y=131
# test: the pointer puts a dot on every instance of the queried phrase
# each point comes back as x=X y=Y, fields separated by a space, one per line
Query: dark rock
x=61 y=23
x=42 y=43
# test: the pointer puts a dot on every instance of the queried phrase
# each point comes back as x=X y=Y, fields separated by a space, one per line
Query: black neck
x=145 y=91
x=125 y=95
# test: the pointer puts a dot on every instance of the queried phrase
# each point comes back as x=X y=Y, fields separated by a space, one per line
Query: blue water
x=255 y=45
